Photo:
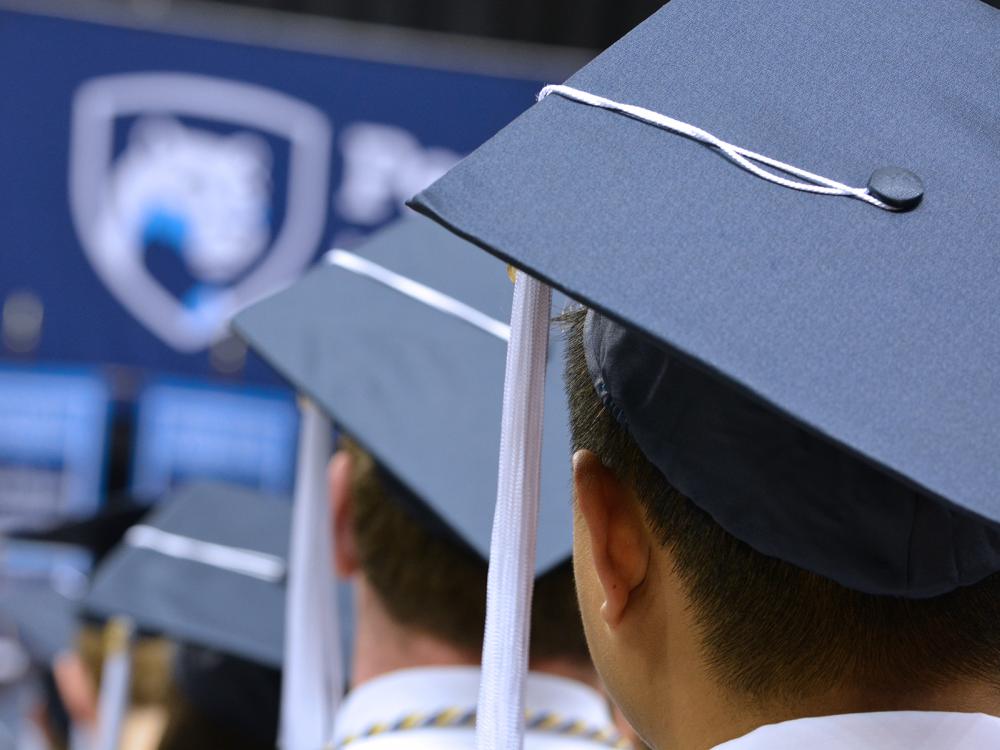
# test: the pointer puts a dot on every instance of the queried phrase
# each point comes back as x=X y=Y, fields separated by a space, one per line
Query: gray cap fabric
x=874 y=334
x=45 y=618
x=419 y=388
x=165 y=590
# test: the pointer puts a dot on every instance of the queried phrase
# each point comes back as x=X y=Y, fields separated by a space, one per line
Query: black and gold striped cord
x=455 y=718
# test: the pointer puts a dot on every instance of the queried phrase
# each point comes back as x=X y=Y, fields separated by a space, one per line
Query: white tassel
x=500 y=722
x=116 y=677
x=312 y=680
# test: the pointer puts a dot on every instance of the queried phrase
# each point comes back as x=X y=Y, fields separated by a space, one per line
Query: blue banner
x=153 y=183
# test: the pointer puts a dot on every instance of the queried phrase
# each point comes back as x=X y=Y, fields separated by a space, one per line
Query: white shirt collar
x=429 y=689
x=887 y=730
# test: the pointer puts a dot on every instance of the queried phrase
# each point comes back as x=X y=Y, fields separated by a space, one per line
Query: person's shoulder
x=452 y=739
x=883 y=730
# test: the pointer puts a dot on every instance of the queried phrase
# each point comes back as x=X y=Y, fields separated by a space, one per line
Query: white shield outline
x=97 y=105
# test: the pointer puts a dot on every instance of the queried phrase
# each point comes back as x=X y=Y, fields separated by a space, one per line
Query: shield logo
x=177 y=171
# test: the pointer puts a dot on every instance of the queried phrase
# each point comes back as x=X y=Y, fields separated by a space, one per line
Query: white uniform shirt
x=888 y=730
x=386 y=700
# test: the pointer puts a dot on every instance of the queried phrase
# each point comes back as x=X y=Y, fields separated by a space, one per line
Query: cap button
x=896 y=187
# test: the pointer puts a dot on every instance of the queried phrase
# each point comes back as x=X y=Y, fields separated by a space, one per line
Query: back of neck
x=383 y=645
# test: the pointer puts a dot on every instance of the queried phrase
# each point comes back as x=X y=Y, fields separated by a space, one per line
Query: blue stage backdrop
x=151 y=183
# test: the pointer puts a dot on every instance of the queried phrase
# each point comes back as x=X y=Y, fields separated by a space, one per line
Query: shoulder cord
x=455 y=718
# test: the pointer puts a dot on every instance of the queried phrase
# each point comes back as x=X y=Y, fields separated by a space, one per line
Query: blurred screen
x=53 y=440
x=188 y=431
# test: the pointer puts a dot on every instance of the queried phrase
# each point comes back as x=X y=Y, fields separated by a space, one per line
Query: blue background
x=44 y=60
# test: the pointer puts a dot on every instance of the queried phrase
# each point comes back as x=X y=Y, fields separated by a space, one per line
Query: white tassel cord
x=116 y=677
x=500 y=724
x=417 y=291
x=312 y=680
x=743 y=157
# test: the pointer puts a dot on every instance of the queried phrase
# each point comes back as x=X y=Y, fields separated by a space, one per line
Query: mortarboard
x=403 y=345
x=98 y=534
x=44 y=574
x=207 y=567
x=45 y=617
x=46 y=608
x=782 y=219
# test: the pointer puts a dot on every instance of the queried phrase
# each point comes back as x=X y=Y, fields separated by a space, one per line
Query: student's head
x=428 y=580
x=765 y=631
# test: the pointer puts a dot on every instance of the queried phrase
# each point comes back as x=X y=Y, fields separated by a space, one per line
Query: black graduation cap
x=46 y=609
x=783 y=216
x=403 y=344
x=45 y=617
x=206 y=567
x=98 y=534
x=44 y=574
x=838 y=359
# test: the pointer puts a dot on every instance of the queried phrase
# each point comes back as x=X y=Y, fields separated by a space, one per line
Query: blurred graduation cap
x=45 y=575
x=98 y=534
x=737 y=191
x=45 y=618
x=403 y=345
x=206 y=567
x=46 y=609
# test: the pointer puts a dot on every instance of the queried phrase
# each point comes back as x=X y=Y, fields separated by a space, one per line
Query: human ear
x=339 y=473
x=619 y=540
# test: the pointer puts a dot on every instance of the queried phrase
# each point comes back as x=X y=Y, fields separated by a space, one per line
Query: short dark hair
x=773 y=631
x=433 y=583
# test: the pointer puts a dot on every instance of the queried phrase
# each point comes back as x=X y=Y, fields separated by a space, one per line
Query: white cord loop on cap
x=743 y=157
x=500 y=724
x=246 y=562
x=417 y=291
